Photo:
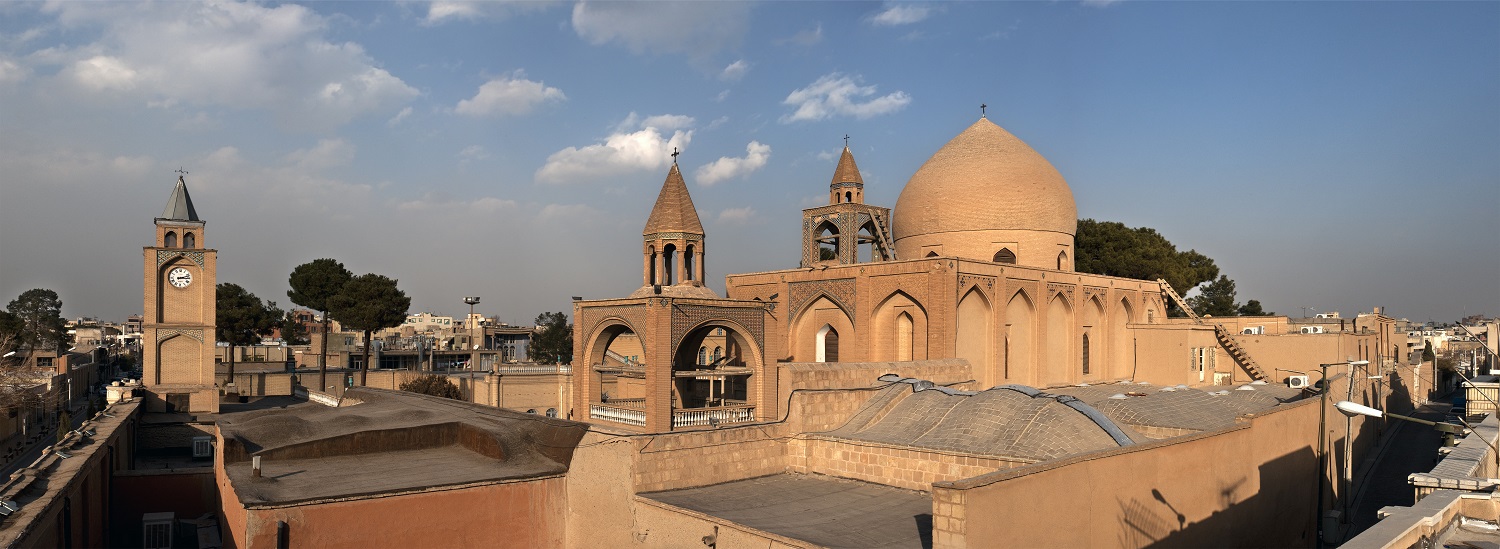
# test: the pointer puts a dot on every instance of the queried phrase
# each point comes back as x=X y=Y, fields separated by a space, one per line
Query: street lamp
x=1322 y=386
x=472 y=301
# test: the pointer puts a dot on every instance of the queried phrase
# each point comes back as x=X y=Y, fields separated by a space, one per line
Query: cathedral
x=974 y=263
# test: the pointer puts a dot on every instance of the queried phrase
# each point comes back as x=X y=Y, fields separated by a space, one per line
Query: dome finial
x=846 y=141
x=674 y=156
x=982 y=106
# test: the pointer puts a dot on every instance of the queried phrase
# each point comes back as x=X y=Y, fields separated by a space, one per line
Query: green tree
x=313 y=284
x=369 y=302
x=242 y=318
x=292 y=330
x=1253 y=308
x=434 y=385
x=38 y=321
x=1215 y=299
x=552 y=343
x=1110 y=248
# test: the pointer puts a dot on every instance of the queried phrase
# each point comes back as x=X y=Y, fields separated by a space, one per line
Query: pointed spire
x=674 y=211
x=180 y=205
x=847 y=172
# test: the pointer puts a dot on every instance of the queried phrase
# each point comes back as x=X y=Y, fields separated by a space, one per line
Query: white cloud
x=327 y=153
x=901 y=14
x=805 y=38
x=637 y=144
x=11 y=71
x=239 y=55
x=400 y=116
x=473 y=152
x=835 y=94
x=444 y=10
x=736 y=216
x=720 y=121
x=103 y=73
x=1099 y=3
x=698 y=29
x=727 y=167
x=722 y=96
x=509 y=95
x=199 y=121
x=438 y=201
x=734 y=71
x=564 y=211
x=827 y=155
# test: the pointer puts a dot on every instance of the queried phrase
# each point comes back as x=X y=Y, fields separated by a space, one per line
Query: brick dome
x=984 y=191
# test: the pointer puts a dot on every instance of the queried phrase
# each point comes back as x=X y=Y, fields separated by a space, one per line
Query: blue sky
x=1334 y=155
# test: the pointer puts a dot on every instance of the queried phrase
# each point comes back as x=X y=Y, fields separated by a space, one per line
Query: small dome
x=983 y=191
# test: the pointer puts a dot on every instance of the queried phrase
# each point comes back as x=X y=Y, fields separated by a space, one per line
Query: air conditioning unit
x=156 y=530
x=1296 y=382
x=1312 y=329
x=203 y=447
x=1254 y=330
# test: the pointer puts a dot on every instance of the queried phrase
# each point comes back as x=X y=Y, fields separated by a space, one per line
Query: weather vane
x=981 y=109
x=180 y=172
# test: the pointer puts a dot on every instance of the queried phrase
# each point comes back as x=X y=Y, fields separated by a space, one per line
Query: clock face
x=180 y=277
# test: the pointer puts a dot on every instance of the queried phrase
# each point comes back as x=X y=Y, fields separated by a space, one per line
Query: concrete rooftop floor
x=826 y=511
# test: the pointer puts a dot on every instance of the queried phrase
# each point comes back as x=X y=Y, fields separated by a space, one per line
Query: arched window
x=718 y=353
x=828 y=344
x=904 y=331
x=1062 y=261
x=1005 y=256
x=931 y=254
x=552 y=412
x=689 y=261
x=702 y=356
x=848 y=196
x=669 y=259
x=531 y=411
x=651 y=277
x=189 y=241
x=1085 y=354
x=828 y=242
x=170 y=241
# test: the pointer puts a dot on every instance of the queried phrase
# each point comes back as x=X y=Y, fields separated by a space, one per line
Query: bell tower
x=178 y=335
x=673 y=250
x=847 y=230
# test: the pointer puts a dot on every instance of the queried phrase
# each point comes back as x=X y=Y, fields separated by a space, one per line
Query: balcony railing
x=618 y=415
x=701 y=417
x=532 y=368
x=628 y=403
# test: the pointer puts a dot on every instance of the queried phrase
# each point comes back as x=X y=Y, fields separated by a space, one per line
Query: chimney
x=255 y=466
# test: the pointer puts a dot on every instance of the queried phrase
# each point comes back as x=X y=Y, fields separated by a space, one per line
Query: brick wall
x=899 y=466
x=700 y=458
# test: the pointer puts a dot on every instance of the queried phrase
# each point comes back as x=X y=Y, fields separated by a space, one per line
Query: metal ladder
x=1226 y=339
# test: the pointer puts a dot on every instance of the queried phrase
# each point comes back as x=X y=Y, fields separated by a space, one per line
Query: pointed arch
x=1121 y=359
x=827 y=239
x=1005 y=256
x=1062 y=261
x=1093 y=327
x=827 y=344
x=822 y=311
x=1020 y=337
x=1057 y=353
x=897 y=337
x=170 y=240
x=972 y=334
x=189 y=240
x=669 y=265
x=689 y=264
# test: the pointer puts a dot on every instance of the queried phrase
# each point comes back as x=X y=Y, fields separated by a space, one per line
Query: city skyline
x=1332 y=156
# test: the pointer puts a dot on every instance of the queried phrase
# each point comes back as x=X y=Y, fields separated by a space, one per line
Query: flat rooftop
x=391 y=442
x=826 y=511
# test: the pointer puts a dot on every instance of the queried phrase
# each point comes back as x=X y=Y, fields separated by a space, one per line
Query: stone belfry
x=673 y=250
x=847 y=230
x=178 y=340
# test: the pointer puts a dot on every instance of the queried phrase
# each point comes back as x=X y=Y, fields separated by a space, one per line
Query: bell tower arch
x=847 y=230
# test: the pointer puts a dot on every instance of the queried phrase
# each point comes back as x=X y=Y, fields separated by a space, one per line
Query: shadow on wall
x=1284 y=505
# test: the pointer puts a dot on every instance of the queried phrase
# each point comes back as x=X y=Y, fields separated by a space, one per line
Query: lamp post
x=472 y=301
x=1448 y=429
x=1323 y=438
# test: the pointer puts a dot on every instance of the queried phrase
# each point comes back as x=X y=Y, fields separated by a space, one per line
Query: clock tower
x=178 y=333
